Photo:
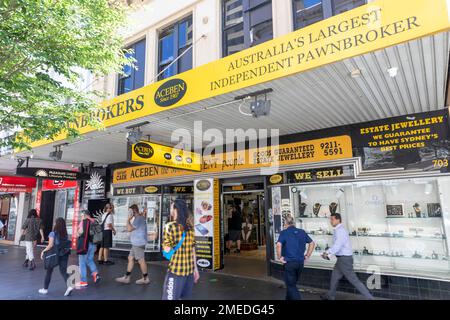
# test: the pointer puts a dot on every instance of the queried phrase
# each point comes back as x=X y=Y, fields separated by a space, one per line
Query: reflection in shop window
x=398 y=225
x=121 y=204
x=307 y=12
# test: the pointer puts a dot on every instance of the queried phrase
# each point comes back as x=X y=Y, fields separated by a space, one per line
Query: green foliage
x=43 y=46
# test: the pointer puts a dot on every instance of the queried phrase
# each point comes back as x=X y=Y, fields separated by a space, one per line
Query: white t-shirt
x=109 y=220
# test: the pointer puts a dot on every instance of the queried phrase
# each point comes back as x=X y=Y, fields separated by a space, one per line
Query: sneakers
x=96 y=277
x=100 y=262
x=68 y=291
x=81 y=284
x=32 y=265
x=108 y=263
x=25 y=264
x=124 y=279
x=143 y=281
x=43 y=291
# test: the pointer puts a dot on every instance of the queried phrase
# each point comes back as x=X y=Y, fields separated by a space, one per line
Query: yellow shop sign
x=325 y=149
x=153 y=153
x=365 y=29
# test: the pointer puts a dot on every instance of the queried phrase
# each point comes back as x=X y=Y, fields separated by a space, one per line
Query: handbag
x=83 y=239
x=51 y=258
x=168 y=255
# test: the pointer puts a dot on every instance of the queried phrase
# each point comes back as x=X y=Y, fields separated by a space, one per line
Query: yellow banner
x=216 y=240
x=325 y=149
x=365 y=29
x=153 y=153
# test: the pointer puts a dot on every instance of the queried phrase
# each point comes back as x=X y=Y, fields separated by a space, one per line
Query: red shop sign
x=58 y=184
x=16 y=184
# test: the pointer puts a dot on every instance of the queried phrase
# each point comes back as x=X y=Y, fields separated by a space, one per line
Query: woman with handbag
x=58 y=251
x=31 y=229
x=86 y=249
x=179 y=248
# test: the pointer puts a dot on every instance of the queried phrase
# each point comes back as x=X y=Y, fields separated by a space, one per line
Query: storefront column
x=444 y=187
x=21 y=212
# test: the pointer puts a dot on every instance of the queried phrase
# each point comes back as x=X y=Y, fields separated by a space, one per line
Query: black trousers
x=62 y=269
x=292 y=271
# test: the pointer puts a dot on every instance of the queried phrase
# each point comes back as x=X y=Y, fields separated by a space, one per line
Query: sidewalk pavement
x=17 y=283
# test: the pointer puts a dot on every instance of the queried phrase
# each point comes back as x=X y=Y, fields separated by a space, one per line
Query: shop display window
x=121 y=204
x=398 y=225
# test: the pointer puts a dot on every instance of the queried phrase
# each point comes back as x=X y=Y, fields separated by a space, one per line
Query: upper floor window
x=175 y=49
x=340 y=6
x=133 y=78
x=307 y=12
x=246 y=23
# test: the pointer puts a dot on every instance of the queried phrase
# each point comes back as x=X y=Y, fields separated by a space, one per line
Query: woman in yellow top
x=182 y=272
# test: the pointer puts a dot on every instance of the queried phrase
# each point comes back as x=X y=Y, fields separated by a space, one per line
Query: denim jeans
x=87 y=260
x=292 y=271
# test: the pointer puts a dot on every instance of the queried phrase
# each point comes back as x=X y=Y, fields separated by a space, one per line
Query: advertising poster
x=205 y=209
x=95 y=187
x=416 y=141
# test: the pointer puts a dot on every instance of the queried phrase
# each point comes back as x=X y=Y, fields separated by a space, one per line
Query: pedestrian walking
x=179 y=248
x=137 y=226
x=291 y=247
x=86 y=249
x=342 y=249
x=235 y=227
x=31 y=229
x=108 y=232
x=58 y=238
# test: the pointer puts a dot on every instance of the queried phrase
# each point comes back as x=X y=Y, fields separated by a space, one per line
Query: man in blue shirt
x=291 y=247
x=342 y=249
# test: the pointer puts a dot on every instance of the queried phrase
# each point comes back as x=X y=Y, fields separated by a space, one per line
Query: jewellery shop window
x=150 y=202
x=395 y=225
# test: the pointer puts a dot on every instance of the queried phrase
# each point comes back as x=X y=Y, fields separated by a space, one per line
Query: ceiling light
x=392 y=72
x=356 y=73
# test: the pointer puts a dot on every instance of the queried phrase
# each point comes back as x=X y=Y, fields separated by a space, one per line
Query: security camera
x=134 y=136
x=260 y=108
x=56 y=155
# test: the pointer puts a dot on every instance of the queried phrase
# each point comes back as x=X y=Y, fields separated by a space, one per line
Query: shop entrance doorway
x=244 y=235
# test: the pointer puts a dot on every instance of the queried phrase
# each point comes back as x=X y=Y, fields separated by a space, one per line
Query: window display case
x=395 y=225
x=153 y=205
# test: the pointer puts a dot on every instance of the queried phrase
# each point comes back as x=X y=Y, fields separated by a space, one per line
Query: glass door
x=153 y=205
x=12 y=218
x=60 y=205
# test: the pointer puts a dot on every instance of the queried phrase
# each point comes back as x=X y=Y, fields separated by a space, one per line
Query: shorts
x=234 y=235
x=107 y=239
x=137 y=252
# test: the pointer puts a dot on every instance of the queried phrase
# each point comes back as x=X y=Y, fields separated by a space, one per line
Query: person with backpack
x=86 y=248
x=59 y=241
x=137 y=226
x=108 y=231
x=179 y=248
x=31 y=229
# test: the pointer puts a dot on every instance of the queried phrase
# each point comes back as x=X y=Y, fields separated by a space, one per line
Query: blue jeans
x=292 y=271
x=87 y=260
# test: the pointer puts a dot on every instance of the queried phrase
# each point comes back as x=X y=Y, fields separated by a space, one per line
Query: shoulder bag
x=168 y=255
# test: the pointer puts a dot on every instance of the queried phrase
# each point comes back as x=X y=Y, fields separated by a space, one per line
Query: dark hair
x=182 y=213
x=86 y=213
x=109 y=205
x=60 y=228
x=337 y=216
x=32 y=213
x=135 y=208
